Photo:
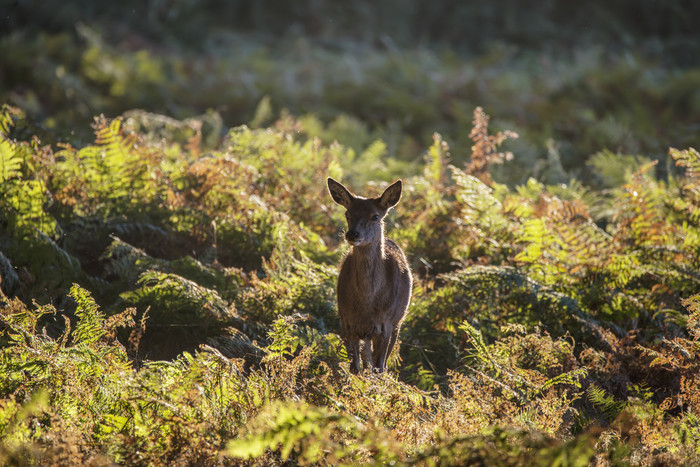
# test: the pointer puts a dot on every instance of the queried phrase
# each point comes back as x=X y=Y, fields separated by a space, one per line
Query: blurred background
x=582 y=84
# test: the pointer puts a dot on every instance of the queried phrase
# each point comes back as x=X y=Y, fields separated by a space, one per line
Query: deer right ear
x=339 y=193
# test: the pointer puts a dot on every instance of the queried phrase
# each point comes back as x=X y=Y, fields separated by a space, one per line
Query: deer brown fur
x=374 y=284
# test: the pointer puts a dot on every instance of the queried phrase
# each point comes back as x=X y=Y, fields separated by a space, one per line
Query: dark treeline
x=464 y=26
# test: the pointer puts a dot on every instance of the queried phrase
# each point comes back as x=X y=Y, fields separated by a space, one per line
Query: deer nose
x=352 y=235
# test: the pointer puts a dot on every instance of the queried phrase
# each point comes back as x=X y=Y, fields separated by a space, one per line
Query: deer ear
x=339 y=193
x=391 y=196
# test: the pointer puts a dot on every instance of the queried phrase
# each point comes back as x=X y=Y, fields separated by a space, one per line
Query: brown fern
x=485 y=148
x=194 y=142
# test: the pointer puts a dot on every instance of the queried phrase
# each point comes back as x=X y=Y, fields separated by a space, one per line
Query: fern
x=502 y=376
x=477 y=340
x=485 y=148
x=304 y=434
x=284 y=343
x=692 y=304
x=8 y=115
x=570 y=378
x=503 y=287
x=436 y=160
x=21 y=320
x=16 y=419
x=610 y=407
x=690 y=186
x=91 y=327
x=174 y=299
x=10 y=161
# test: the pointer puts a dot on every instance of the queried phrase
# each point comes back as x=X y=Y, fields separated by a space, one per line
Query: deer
x=374 y=282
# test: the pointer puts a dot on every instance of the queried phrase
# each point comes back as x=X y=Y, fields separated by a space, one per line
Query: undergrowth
x=170 y=301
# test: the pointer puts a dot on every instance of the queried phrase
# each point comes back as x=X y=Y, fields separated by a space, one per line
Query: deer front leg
x=367 y=354
x=380 y=345
x=353 y=346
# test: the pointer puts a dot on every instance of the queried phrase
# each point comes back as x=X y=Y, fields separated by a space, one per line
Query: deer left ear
x=391 y=196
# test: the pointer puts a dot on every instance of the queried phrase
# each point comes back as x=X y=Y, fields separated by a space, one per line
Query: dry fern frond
x=485 y=148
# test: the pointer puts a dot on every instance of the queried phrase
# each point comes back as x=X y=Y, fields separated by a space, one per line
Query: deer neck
x=369 y=265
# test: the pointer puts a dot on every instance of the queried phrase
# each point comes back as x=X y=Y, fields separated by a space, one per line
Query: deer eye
x=375 y=217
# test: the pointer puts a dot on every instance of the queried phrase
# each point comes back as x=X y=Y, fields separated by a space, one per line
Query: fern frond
x=10 y=160
x=688 y=158
x=436 y=160
x=8 y=114
x=477 y=340
x=690 y=185
x=485 y=148
x=604 y=402
x=572 y=378
x=692 y=304
x=110 y=136
x=91 y=321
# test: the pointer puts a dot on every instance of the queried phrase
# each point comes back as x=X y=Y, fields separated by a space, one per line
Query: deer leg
x=353 y=346
x=380 y=344
x=392 y=341
x=367 y=354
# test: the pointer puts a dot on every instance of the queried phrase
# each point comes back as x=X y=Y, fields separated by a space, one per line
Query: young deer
x=374 y=284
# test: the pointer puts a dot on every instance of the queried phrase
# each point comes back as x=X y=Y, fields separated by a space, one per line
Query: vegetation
x=169 y=301
x=167 y=275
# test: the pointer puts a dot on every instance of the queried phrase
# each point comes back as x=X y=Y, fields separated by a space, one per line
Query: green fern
x=606 y=403
x=90 y=327
x=174 y=299
x=690 y=185
x=436 y=160
x=477 y=340
x=305 y=434
x=284 y=343
x=570 y=378
x=10 y=160
x=8 y=115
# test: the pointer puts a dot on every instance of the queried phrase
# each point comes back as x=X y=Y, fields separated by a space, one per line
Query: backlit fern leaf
x=479 y=217
x=115 y=169
x=90 y=327
x=10 y=160
x=109 y=135
x=562 y=244
x=436 y=159
x=301 y=433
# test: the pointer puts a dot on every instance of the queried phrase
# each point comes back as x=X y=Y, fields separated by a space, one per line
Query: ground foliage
x=166 y=301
